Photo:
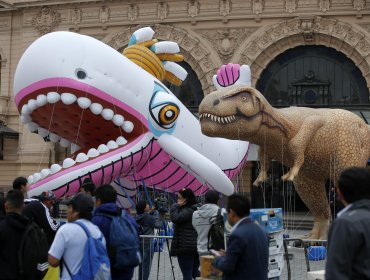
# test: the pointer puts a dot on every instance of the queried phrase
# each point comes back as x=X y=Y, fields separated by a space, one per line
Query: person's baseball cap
x=81 y=203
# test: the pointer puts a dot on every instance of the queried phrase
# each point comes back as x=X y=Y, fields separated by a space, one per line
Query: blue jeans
x=122 y=274
x=189 y=265
x=146 y=250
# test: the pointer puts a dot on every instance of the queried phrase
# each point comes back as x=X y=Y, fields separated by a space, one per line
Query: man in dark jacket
x=11 y=231
x=247 y=250
x=38 y=210
x=147 y=220
x=105 y=202
x=349 y=235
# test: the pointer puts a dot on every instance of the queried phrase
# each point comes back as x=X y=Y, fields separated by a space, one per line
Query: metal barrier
x=157 y=262
x=301 y=244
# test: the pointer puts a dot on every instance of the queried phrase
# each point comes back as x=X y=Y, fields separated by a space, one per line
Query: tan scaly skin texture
x=316 y=144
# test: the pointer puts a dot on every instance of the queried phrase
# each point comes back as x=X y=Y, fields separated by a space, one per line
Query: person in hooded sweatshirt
x=105 y=203
x=201 y=220
x=147 y=220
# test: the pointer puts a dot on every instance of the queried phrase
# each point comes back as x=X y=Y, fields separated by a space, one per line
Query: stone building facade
x=209 y=32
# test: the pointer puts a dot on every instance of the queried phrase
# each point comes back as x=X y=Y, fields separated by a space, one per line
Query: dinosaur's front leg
x=298 y=144
x=312 y=192
x=265 y=162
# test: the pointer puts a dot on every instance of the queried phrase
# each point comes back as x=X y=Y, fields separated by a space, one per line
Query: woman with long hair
x=184 y=243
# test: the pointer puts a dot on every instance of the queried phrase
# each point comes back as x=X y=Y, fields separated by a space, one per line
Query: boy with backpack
x=120 y=231
x=23 y=253
x=209 y=224
x=79 y=245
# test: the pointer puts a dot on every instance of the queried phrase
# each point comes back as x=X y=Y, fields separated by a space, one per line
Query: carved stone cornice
x=273 y=40
x=226 y=40
x=162 y=10
x=46 y=20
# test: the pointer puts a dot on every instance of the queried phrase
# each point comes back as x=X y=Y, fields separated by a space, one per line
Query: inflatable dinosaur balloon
x=317 y=144
x=117 y=116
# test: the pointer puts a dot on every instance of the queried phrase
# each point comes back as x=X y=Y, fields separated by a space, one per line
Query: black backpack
x=32 y=254
x=216 y=239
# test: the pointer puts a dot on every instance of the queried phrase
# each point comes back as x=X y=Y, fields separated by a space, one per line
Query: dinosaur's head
x=234 y=112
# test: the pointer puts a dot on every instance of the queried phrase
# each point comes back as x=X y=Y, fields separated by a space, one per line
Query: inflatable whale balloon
x=119 y=120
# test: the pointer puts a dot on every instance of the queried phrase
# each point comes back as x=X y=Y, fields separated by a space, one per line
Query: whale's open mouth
x=76 y=115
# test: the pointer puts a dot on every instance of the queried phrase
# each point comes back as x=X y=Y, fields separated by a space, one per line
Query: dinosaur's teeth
x=112 y=145
x=41 y=100
x=96 y=108
x=81 y=157
x=68 y=98
x=103 y=148
x=53 y=97
x=107 y=114
x=219 y=119
x=128 y=126
x=68 y=162
x=55 y=168
x=121 y=140
x=83 y=102
x=64 y=143
x=118 y=120
x=93 y=153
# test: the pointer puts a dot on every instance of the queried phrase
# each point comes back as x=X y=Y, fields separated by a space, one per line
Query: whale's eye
x=81 y=74
x=165 y=114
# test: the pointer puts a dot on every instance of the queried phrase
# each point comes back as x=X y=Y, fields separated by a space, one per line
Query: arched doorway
x=310 y=76
x=190 y=92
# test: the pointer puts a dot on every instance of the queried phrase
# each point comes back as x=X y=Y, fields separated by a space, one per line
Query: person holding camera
x=148 y=220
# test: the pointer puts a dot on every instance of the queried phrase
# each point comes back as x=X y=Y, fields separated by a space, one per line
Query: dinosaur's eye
x=165 y=114
x=81 y=74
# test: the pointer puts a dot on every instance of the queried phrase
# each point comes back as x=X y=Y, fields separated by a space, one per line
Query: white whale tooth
x=32 y=126
x=64 y=143
x=32 y=105
x=128 y=126
x=96 y=108
x=26 y=119
x=25 y=110
x=41 y=100
x=107 y=114
x=118 y=120
x=121 y=141
x=30 y=179
x=68 y=162
x=84 y=102
x=93 y=153
x=44 y=173
x=53 y=97
x=74 y=148
x=55 y=168
x=54 y=137
x=112 y=145
x=81 y=157
x=42 y=132
x=36 y=177
x=68 y=98
x=103 y=148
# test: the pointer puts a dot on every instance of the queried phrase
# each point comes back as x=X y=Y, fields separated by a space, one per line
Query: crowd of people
x=94 y=213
